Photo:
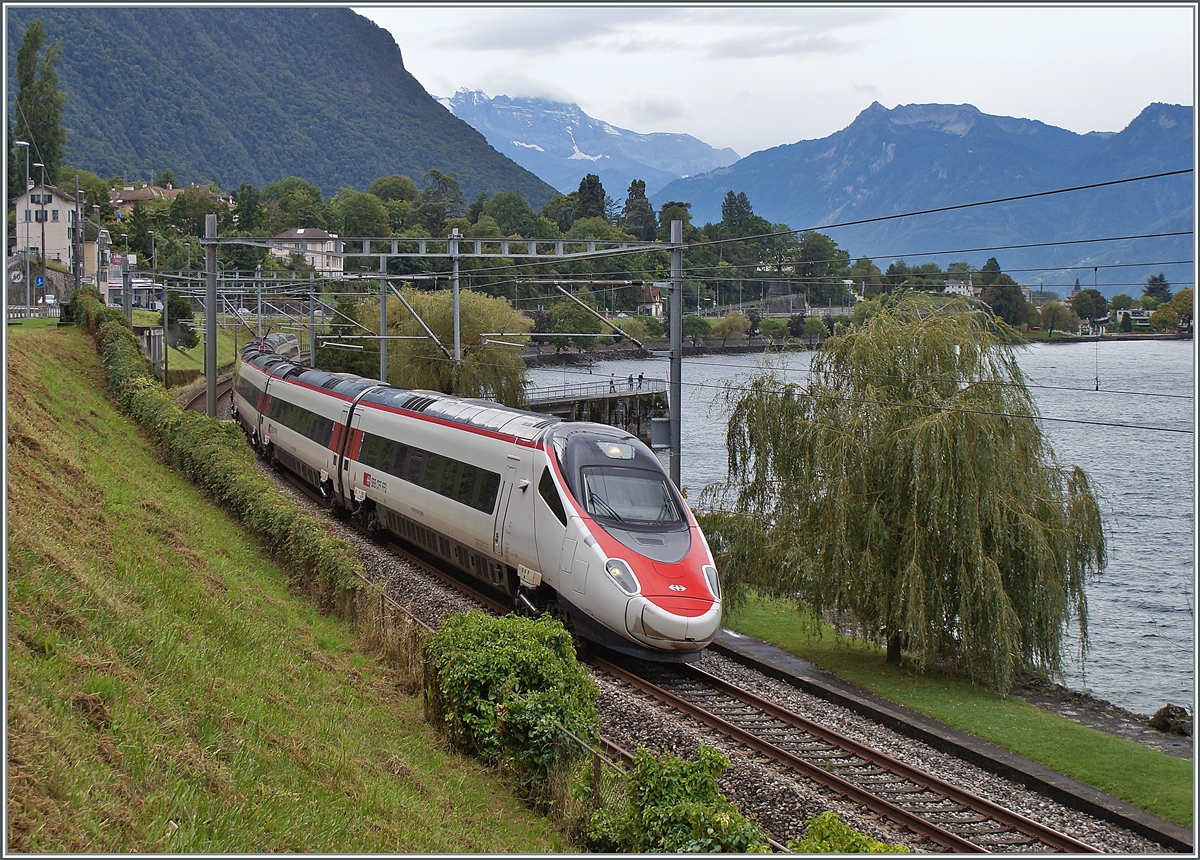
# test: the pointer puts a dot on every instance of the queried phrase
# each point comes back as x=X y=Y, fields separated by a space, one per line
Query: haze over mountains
x=919 y=157
x=562 y=144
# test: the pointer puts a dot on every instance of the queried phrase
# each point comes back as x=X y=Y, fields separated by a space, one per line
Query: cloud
x=652 y=108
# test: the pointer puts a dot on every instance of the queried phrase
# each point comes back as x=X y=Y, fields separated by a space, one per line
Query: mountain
x=562 y=144
x=918 y=157
x=254 y=94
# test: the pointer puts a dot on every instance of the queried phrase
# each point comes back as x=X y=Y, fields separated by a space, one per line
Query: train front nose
x=673 y=624
x=674 y=611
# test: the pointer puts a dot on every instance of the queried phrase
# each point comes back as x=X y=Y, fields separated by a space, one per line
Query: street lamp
x=125 y=236
x=28 y=305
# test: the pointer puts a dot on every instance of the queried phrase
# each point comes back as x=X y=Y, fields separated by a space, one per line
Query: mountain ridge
x=246 y=94
x=559 y=142
x=920 y=157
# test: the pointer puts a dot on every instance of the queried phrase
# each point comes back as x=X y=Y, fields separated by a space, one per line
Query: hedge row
x=214 y=456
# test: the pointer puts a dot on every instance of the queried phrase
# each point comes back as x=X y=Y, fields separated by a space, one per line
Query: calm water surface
x=1142 y=618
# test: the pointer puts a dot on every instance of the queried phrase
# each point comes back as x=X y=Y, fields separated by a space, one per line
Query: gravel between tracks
x=779 y=800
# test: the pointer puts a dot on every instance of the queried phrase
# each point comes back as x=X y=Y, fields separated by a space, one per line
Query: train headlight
x=710 y=573
x=622 y=576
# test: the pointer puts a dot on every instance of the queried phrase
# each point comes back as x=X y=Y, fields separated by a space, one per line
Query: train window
x=549 y=493
x=469 y=485
x=466 y=484
x=248 y=391
x=637 y=495
x=448 y=485
x=489 y=486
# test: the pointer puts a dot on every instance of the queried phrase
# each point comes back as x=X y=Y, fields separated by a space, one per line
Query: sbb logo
x=374 y=483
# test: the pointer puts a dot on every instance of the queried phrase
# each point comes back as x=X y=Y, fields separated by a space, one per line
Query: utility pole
x=676 y=382
x=210 y=315
x=457 y=328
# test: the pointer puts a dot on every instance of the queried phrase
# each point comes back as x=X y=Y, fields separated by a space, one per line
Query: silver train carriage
x=575 y=519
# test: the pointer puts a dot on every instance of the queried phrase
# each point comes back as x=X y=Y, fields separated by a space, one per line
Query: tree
x=1121 y=301
x=1183 y=304
x=513 y=214
x=1057 y=316
x=571 y=319
x=1003 y=296
x=189 y=209
x=488 y=370
x=737 y=214
x=734 y=325
x=637 y=219
x=561 y=210
x=909 y=490
x=294 y=202
x=674 y=210
x=813 y=328
x=394 y=187
x=1157 y=288
x=590 y=201
x=774 y=327
x=696 y=327
x=181 y=329
x=249 y=213
x=166 y=179
x=38 y=110
x=990 y=272
x=440 y=200
x=1164 y=319
x=359 y=214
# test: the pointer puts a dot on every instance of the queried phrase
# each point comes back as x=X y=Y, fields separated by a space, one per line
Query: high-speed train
x=571 y=518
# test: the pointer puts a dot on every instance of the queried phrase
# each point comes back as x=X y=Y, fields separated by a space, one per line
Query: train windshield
x=629 y=495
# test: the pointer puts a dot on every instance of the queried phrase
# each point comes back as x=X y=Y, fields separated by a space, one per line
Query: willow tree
x=491 y=367
x=909 y=490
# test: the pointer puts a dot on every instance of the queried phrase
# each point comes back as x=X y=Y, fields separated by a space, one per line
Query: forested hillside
x=251 y=95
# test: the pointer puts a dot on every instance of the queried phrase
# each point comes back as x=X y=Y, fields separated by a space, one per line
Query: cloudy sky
x=753 y=77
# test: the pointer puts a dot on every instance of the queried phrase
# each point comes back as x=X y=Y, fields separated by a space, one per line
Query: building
x=1138 y=316
x=321 y=250
x=45 y=213
x=123 y=199
x=962 y=288
x=651 y=304
x=97 y=248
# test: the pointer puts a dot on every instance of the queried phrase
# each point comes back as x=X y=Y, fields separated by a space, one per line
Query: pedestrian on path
x=612 y=382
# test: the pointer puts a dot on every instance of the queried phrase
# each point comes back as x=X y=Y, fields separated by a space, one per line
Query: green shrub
x=214 y=456
x=498 y=686
x=827 y=834
x=674 y=806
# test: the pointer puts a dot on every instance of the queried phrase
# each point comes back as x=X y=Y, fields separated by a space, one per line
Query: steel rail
x=1006 y=817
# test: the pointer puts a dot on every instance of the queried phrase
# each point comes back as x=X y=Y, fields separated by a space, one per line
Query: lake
x=1126 y=436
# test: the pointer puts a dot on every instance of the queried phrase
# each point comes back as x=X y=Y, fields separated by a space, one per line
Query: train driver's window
x=549 y=493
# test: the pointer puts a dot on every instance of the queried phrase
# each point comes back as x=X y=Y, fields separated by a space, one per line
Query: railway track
x=197 y=401
x=950 y=817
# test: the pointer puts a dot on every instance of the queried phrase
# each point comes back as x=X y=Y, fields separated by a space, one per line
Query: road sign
x=16 y=276
x=39 y=281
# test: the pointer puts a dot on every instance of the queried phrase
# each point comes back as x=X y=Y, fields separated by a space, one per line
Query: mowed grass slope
x=166 y=691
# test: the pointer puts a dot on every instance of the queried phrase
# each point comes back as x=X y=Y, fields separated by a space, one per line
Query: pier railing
x=590 y=390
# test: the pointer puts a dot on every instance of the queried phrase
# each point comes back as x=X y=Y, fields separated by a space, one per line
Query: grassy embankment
x=1147 y=778
x=166 y=690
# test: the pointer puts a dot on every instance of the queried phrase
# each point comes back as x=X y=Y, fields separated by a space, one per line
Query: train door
x=515 y=523
x=556 y=554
